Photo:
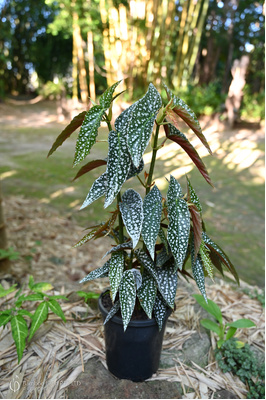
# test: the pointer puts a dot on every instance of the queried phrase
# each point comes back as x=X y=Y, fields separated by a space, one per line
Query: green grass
x=233 y=212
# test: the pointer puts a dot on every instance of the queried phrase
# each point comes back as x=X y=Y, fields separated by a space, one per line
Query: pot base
x=134 y=354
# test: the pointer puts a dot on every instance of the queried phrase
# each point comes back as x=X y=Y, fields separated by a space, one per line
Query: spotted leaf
x=152 y=211
x=163 y=238
x=116 y=269
x=118 y=164
x=101 y=272
x=120 y=247
x=97 y=190
x=192 y=196
x=160 y=311
x=198 y=271
x=163 y=257
x=137 y=277
x=218 y=255
x=147 y=293
x=167 y=277
x=133 y=171
x=131 y=209
x=123 y=120
x=88 y=133
x=149 y=265
x=141 y=123
x=179 y=108
x=107 y=97
x=205 y=258
x=127 y=296
x=112 y=312
x=195 y=212
x=179 y=223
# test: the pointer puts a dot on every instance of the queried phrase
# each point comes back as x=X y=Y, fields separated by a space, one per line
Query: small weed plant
x=19 y=315
x=242 y=362
x=225 y=331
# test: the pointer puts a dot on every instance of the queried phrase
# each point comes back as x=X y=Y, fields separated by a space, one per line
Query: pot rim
x=136 y=323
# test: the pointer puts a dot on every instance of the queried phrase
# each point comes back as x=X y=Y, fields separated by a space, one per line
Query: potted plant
x=154 y=236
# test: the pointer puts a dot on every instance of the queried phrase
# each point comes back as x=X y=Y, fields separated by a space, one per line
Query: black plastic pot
x=134 y=354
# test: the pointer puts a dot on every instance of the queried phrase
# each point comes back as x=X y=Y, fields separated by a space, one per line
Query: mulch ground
x=57 y=353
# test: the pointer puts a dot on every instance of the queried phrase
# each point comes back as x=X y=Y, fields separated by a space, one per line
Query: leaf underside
x=89 y=167
x=172 y=133
x=181 y=109
x=74 y=124
x=217 y=256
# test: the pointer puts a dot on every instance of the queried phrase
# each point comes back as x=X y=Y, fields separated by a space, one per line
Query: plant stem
x=154 y=152
x=120 y=220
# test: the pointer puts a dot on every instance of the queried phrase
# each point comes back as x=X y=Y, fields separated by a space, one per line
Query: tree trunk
x=91 y=65
x=82 y=69
x=4 y=262
x=74 y=72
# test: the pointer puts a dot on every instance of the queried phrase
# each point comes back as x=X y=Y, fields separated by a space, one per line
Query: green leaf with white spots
x=160 y=311
x=127 y=296
x=107 y=97
x=218 y=255
x=192 y=196
x=133 y=171
x=40 y=315
x=112 y=312
x=137 y=277
x=147 y=293
x=88 y=133
x=131 y=209
x=163 y=238
x=141 y=123
x=198 y=271
x=116 y=269
x=122 y=121
x=147 y=263
x=163 y=256
x=205 y=258
x=152 y=212
x=101 y=272
x=56 y=309
x=118 y=165
x=97 y=190
x=167 y=277
x=19 y=331
x=120 y=247
x=87 y=237
x=179 y=223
